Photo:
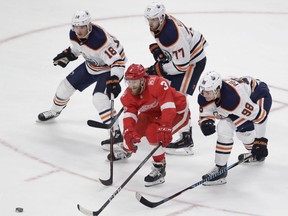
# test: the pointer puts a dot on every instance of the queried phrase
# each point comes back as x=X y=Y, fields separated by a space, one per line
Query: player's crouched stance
x=242 y=105
x=104 y=65
x=152 y=109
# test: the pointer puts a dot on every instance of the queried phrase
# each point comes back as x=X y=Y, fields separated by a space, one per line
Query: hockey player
x=152 y=109
x=180 y=58
x=241 y=105
x=104 y=64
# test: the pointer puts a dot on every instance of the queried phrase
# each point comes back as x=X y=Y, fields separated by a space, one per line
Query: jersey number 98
x=248 y=109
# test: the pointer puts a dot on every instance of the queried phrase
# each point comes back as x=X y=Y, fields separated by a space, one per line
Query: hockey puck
x=19 y=209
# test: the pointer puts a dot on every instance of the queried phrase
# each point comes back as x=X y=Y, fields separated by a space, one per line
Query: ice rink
x=49 y=168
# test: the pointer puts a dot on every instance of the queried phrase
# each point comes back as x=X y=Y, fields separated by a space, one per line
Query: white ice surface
x=48 y=168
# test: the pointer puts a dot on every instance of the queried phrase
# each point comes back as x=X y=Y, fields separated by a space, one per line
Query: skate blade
x=179 y=151
x=253 y=161
x=216 y=182
x=159 y=181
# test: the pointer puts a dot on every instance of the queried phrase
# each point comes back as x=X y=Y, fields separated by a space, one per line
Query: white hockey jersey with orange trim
x=234 y=102
x=181 y=45
x=102 y=52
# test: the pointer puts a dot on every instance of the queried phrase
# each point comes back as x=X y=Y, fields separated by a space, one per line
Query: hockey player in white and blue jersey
x=104 y=65
x=180 y=58
x=242 y=106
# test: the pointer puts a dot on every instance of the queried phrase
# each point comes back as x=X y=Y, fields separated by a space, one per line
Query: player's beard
x=135 y=91
x=138 y=89
x=154 y=28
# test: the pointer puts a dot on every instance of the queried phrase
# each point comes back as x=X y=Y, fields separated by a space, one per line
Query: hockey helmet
x=155 y=10
x=211 y=81
x=81 y=18
x=135 y=72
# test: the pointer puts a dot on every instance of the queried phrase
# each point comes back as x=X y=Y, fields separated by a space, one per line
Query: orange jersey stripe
x=187 y=79
x=263 y=112
x=239 y=121
x=224 y=148
x=198 y=48
x=181 y=68
x=96 y=68
x=61 y=102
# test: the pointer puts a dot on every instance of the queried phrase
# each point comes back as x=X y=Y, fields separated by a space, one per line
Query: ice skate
x=47 y=115
x=251 y=159
x=119 y=154
x=156 y=176
x=117 y=140
x=218 y=180
x=182 y=146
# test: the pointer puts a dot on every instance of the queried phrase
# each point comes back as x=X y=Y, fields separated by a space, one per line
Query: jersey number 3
x=165 y=85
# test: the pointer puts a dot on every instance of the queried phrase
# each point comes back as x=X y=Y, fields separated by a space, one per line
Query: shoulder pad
x=97 y=38
x=229 y=97
x=201 y=101
x=169 y=34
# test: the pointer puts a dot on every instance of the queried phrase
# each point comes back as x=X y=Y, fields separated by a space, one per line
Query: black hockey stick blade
x=97 y=124
x=107 y=182
x=87 y=212
x=150 y=204
x=94 y=213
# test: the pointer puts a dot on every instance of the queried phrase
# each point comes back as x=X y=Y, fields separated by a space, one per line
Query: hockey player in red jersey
x=104 y=65
x=180 y=58
x=152 y=109
x=242 y=106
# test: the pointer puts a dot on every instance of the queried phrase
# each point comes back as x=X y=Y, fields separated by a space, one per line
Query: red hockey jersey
x=158 y=99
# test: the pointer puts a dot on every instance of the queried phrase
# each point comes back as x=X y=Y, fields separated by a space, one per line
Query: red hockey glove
x=164 y=135
x=131 y=137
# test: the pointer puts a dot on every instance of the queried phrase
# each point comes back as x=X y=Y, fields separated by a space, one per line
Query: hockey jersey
x=234 y=102
x=158 y=99
x=182 y=46
x=102 y=52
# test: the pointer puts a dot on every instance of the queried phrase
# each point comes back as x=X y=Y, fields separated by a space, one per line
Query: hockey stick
x=150 y=204
x=94 y=213
x=110 y=180
x=97 y=124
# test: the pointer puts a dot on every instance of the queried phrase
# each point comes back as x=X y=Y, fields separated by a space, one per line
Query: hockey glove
x=63 y=58
x=156 y=69
x=131 y=137
x=113 y=86
x=208 y=127
x=157 y=53
x=164 y=135
x=259 y=149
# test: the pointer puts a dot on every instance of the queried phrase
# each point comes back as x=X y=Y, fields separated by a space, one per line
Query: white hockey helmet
x=211 y=81
x=81 y=18
x=155 y=10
